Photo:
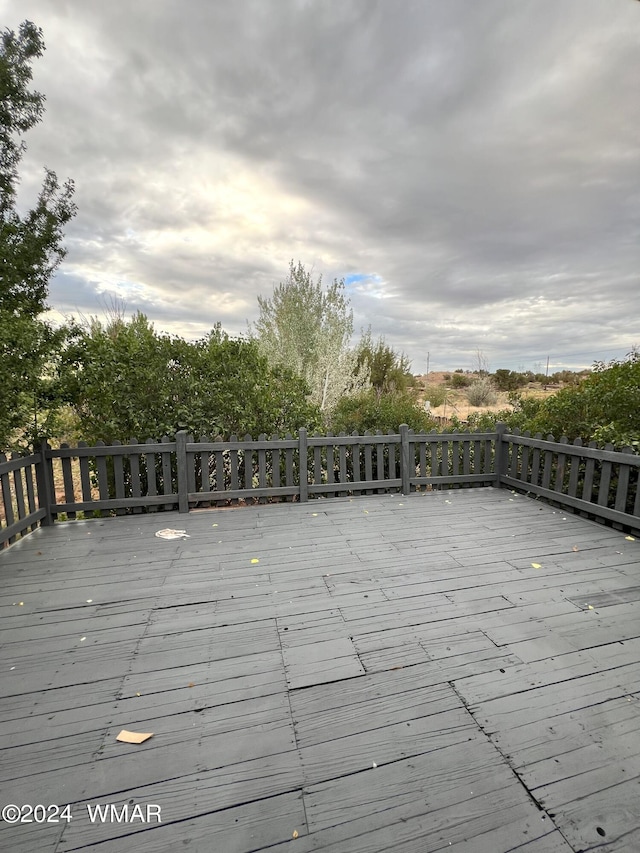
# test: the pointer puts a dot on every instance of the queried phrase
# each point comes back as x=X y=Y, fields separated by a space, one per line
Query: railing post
x=405 y=472
x=302 y=462
x=43 y=480
x=500 y=453
x=183 y=480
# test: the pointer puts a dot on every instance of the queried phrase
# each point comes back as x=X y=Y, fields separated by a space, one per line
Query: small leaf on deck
x=630 y=538
x=536 y=565
x=575 y=548
x=295 y=833
x=255 y=560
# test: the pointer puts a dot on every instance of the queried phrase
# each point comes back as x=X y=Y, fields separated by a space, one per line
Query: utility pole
x=428 y=355
x=546 y=376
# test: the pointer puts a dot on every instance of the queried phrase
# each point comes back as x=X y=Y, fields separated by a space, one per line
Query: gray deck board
x=392 y=674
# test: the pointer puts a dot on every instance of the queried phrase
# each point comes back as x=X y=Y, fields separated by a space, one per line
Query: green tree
x=30 y=248
x=308 y=329
x=388 y=370
x=508 y=380
x=123 y=379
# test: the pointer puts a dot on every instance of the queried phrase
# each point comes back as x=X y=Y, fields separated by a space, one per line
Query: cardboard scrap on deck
x=133 y=737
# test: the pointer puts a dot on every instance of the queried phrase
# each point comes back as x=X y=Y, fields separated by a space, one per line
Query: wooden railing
x=598 y=482
x=24 y=496
x=182 y=474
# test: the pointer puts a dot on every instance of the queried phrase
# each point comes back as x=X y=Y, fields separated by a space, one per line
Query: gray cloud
x=478 y=161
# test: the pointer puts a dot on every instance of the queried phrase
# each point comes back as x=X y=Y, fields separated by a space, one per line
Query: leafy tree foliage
x=604 y=407
x=30 y=396
x=308 y=329
x=509 y=380
x=372 y=411
x=125 y=380
x=30 y=247
x=389 y=371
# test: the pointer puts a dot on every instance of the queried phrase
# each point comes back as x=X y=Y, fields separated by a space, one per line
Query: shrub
x=371 y=411
x=435 y=394
x=124 y=379
x=482 y=393
x=459 y=380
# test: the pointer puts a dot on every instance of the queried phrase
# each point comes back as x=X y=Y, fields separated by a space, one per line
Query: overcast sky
x=471 y=169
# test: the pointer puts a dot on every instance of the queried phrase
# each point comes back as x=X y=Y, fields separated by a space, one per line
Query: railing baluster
x=136 y=475
x=561 y=465
x=575 y=471
x=605 y=479
x=368 y=465
x=152 y=482
x=303 y=459
x=17 y=487
x=262 y=467
x=331 y=474
x=275 y=465
x=118 y=476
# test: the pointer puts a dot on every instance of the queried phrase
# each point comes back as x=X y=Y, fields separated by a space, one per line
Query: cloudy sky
x=471 y=169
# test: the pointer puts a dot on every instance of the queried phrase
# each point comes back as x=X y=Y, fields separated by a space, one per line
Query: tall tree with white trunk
x=308 y=328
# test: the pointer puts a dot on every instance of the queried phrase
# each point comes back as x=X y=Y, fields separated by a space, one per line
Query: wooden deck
x=453 y=671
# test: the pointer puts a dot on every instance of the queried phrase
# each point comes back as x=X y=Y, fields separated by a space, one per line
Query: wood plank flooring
x=454 y=670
